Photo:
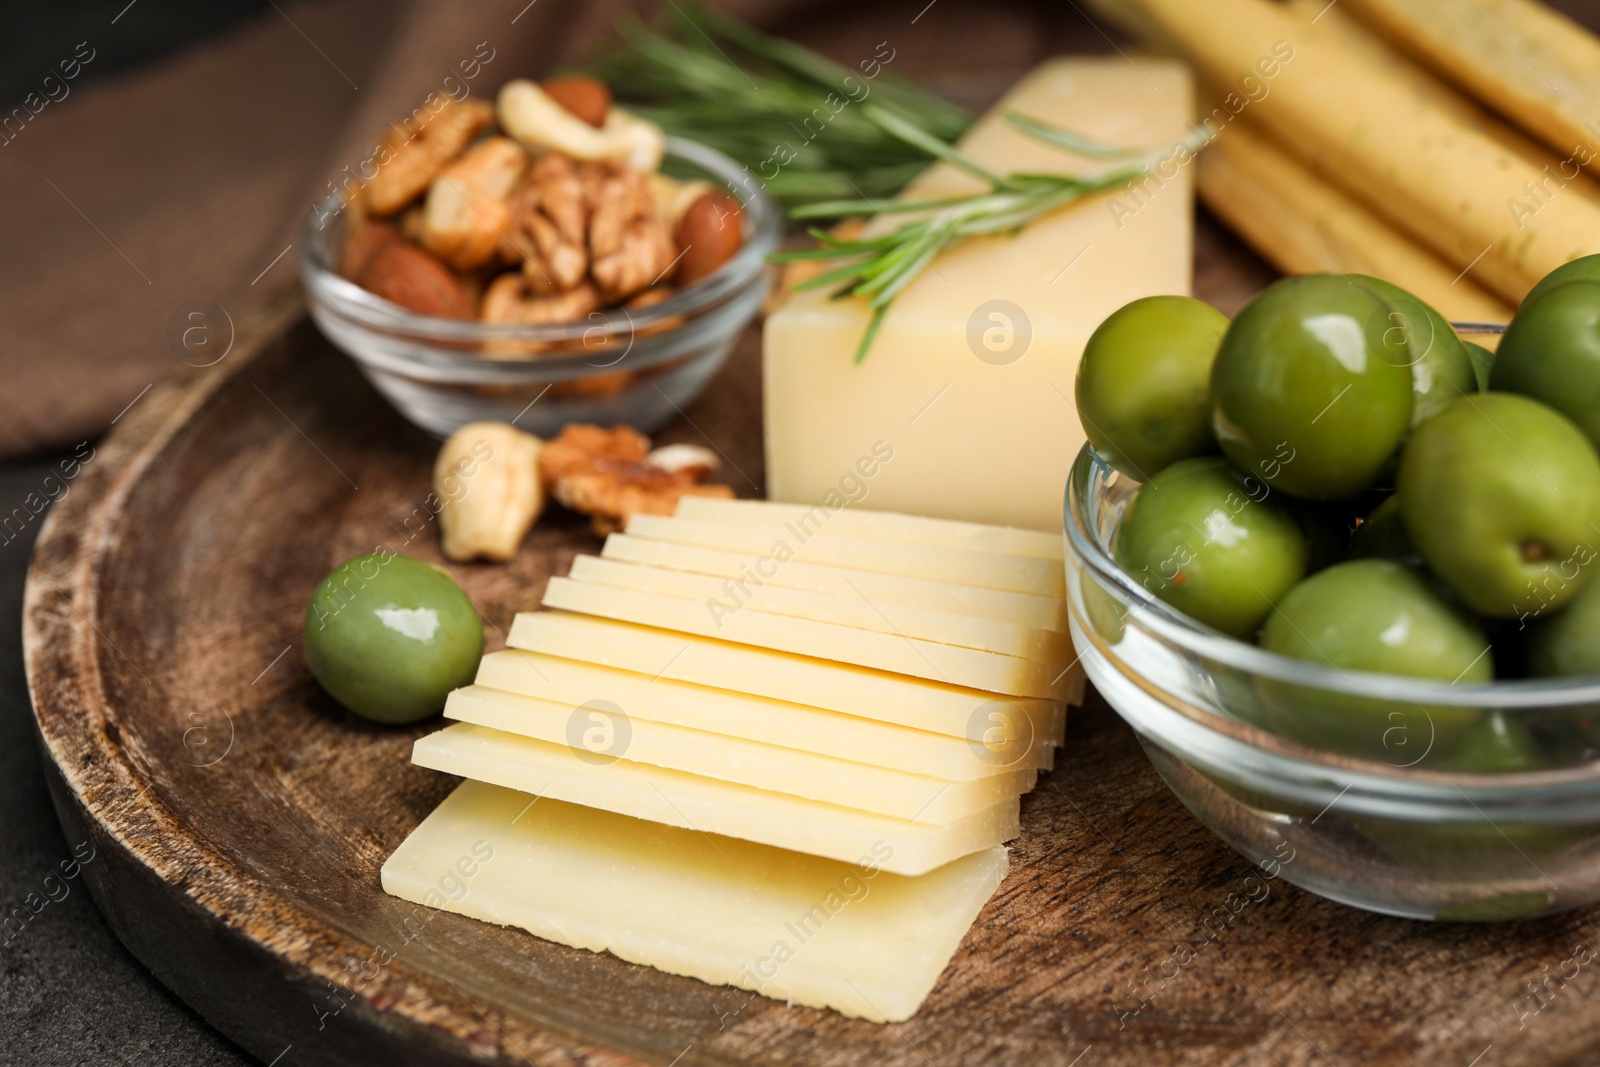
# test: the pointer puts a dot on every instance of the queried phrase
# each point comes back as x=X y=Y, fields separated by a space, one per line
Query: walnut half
x=609 y=476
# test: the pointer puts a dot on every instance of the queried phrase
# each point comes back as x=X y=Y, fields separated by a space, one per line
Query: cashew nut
x=695 y=459
x=487 y=480
x=529 y=114
x=468 y=208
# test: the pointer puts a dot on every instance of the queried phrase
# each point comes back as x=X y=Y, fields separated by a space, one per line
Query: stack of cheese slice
x=764 y=745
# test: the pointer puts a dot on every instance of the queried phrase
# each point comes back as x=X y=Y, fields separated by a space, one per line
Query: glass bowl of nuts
x=526 y=263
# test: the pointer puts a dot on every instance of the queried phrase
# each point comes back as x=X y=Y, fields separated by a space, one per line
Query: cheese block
x=851 y=521
x=1026 y=609
x=991 y=570
x=823 y=933
x=870 y=694
x=606 y=729
x=1013 y=744
x=963 y=408
x=829 y=641
x=722 y=599
x=661 y=795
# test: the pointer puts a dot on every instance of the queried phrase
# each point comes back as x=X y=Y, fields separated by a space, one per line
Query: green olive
x=1312 y=388
x=1377 y=616
x=1473 y=850
x=1498 y=744
x=1482 y=363
x=1479 y=850
x=1501 y=495
x=1584 y=268
x=1567 y=642
x=1441 y=368
x=1551 y=352
x=1143 y=387
x=1215 y=544
x=1104 y=611
x=389 y=637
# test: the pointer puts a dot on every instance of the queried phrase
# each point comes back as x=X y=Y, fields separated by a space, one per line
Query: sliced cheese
x=841 y=644
x=990 y=570
x=606 y=729
x=870 y=694
x=963 y=407
x=666 y=796
x=722 y=598
x=1026 y=609
x=1013 y=743
x=823 y=933
x=852 y=521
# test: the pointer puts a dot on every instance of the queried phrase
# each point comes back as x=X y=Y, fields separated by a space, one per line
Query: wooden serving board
x=239 y=817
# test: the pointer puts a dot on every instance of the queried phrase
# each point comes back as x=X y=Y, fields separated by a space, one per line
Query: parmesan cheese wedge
x=693 y=802
x=604 y=728
x=824 y=933
x=1011 y=741
x=963 y=407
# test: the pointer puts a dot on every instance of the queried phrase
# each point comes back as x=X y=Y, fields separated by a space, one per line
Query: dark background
x=29 y=47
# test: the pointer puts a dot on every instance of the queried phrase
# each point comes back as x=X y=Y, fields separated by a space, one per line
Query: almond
x=709 y=234
x=584 y=97
x=361 y=240
x=404 y=274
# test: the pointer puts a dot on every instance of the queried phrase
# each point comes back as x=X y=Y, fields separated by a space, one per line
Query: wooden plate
x=239 y=818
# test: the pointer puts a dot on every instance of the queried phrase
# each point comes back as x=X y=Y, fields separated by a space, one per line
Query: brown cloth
x=140 y=196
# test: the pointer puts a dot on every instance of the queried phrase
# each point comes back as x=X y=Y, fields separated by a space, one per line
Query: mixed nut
x=542 y=209
x=494 y=479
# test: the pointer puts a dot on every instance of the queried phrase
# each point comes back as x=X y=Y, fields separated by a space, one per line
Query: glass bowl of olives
x=1360 y=641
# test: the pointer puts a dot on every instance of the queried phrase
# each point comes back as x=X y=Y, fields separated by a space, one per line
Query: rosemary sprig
x=762 y=100
x=880 y=268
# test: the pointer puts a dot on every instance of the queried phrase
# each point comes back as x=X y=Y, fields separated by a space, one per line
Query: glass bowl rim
x=764 y=228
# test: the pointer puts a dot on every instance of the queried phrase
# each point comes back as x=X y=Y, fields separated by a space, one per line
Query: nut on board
x=487 y=480
x=612 y=475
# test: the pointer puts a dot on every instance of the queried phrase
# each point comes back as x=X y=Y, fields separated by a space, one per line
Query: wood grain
x=240 y=817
